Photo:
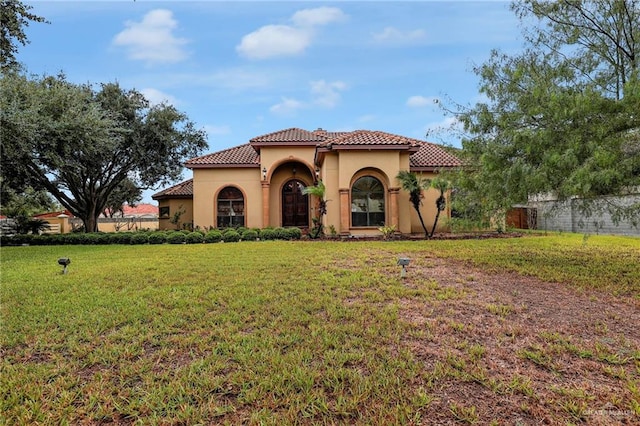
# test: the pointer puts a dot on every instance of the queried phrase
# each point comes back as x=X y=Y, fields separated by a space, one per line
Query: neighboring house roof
x=181 y=190
x=141 y=210
x=239 y=156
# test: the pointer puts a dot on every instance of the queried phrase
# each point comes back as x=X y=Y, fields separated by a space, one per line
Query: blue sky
x=242 y=69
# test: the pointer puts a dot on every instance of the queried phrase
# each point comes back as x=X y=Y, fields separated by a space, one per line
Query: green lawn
x=258 y=332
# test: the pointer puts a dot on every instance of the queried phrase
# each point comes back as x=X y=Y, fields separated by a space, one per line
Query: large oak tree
x=561 y=117
x=82 y=145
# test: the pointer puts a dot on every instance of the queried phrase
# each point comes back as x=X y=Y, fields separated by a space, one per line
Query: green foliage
x=415 y=185
x=387 y=231
x=249 y=235
x=230 y=235
x=194 y=238
x=157 y=238
x=176 y=238
x=84 y=146
x=293 y=233
x=561 y=117
x=213 y=236
x=268 y=234
x=15 y=16
x=139 y=238
x=318 y=190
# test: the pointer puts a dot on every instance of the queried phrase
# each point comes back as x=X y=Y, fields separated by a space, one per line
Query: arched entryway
x=295 y=204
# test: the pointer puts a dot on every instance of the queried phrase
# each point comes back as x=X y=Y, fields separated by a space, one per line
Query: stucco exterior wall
x=175 y=205
x=208 y=182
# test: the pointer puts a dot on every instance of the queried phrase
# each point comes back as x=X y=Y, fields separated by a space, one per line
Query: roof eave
x=222 y=166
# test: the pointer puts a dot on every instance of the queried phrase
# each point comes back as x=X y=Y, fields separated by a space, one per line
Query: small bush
x=268 y=234
x=293 y=233
x=230 y=235
x=249 y=235
x=194 y=238
x=157 y=238
x=213 y=236
x=139 y=238
x=122 y=237
x=176 y=238
x=281 y=233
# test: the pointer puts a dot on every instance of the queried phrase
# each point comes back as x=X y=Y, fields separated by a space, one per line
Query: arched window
x=230 y=208
x=367 y=202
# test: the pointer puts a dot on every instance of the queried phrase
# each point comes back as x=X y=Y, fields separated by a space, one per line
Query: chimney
x=320 y=132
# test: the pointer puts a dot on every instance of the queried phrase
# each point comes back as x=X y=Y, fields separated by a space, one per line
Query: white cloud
x=287 y=106
x=420 y=101
x=317 y=16
x=396 y=36
x=327 y=94
x=156 y=97
x=287 y=40
x=274 y=40
x=152 y=39
x=322 y=94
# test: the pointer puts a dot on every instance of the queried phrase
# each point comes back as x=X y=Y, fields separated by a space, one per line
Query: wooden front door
x=295 y=205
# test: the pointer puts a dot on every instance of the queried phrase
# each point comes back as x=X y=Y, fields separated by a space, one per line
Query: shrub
x=176 y=238
x=249 y=235
x=139 y=238
x=268 y=234
x=157 y=238
x=293 y=233
x=230 y=235
x=194 y=238
x=281 y=233
x=213 y=236
x=122 y=237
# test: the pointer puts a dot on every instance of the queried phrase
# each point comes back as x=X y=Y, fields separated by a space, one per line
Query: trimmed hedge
x=154 y=237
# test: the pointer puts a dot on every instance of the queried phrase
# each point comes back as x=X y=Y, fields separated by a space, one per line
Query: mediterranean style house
x=259 y=184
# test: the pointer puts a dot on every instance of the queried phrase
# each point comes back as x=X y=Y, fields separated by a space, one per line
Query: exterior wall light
x=64 y=262
x=404 y=262
x=264 y=173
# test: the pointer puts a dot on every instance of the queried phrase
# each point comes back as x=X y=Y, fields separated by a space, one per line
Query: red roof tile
x=243 y=155
x=426 y=155
x=143 y=209
x=181 y=190
x=370 y=138
x=431 y=156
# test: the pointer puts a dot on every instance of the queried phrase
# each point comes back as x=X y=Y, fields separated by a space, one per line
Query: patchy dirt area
x=515 y=350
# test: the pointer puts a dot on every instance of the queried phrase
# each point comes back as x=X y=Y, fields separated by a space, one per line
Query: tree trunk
x=435 y=222
x=426 y=231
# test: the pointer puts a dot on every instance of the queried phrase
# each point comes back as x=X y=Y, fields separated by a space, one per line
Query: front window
x=367 y=202
x=230 y=208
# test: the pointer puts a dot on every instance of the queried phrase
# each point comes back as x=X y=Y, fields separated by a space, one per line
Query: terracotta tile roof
x=292 y=135
x=143 y=209
x=431 y=156
x=181 y=190
x=243 y=155
x=370 y=138
x=425 y=155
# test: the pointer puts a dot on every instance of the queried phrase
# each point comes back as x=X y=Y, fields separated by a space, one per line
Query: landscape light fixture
x=403 y=261
x=64 y=262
